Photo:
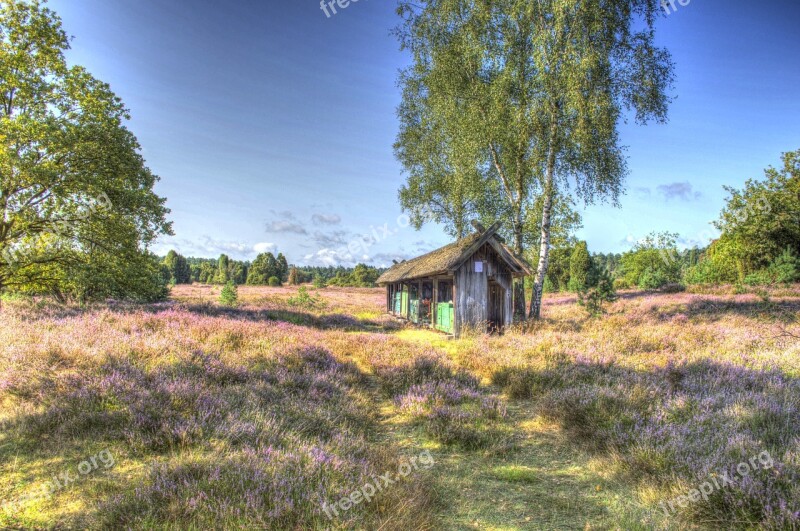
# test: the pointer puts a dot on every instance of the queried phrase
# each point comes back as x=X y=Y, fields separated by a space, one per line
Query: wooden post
x=456 y=321
x=408 y=301
x=434 y=303
x=419 y=300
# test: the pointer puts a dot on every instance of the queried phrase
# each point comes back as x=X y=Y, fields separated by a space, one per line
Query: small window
x=445 y=293
x=479 y=267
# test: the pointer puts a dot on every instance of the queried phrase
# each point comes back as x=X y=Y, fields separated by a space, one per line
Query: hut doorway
x=496 y=306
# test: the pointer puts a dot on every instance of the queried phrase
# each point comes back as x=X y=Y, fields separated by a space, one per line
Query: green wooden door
x=398 y=303
x=444 y=317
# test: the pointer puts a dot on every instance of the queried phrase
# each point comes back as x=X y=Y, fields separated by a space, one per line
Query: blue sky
x=271 y=125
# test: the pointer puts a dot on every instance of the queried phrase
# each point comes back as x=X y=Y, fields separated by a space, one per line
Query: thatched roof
x=450 y=257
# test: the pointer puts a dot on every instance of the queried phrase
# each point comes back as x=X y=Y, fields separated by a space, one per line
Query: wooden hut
x=467 y=284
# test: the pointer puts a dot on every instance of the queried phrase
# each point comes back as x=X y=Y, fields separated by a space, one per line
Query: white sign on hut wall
x=479 y=267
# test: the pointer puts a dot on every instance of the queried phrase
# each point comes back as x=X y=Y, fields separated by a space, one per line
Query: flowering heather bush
x=679 y=425
x=426 y=369
x=251 y=417
x=525 y=382
x=448 y=405
x=676 y=389
x=238 y=424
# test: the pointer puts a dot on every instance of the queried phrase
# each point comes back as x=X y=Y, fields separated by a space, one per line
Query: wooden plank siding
x=460 y=294
x=472 y=290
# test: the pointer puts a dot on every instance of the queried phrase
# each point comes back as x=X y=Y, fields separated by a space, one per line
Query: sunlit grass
x=577 y=422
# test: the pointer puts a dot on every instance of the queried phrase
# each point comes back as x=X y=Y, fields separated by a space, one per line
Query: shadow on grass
x=41 y=311
x=711 y=310
x=676 y=426
x=324 y=321
x=232 y=446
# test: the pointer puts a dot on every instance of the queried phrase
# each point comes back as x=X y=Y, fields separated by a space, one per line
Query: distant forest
x=266 y=270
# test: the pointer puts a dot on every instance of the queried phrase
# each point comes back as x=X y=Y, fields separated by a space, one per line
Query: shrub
x=274 y=282
x=719 y=265
x=557 y=278
x=593 y=298
x=621 y=283
x=305 y=300
x=759 y=278
x=449 y=406
x=229 y=294
x=582 y=273
x=294 y=277
x=760 y=220
x=705 y=273
x=785 y=269
x=593 y=414
x=673 y=287
x=652 y=278
x=319 y=282
x=655 y=261
x=549 y=286
x=521 y=383
x=424 y=370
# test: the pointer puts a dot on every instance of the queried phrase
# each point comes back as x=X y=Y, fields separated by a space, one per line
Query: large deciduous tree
x=77 y=201
x=178 y=267
x=521 y=99
x=283 y=267
x=758 y=222
x=262 y=269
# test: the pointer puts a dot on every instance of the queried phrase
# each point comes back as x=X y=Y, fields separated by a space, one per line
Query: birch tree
x=534 y=91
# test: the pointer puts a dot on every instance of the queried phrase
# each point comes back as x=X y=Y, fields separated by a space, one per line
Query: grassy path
x=544 y=482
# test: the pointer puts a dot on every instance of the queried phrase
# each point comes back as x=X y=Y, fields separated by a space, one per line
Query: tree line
x=265 y=269
x=759 y=245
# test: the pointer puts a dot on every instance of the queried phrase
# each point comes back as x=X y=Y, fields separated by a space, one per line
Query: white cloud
x=683 y=191
x=264 y=247
x=285 y=226
x=630 y=240
x=337 y=237
x=286 y=214
x=330 y=257
x=326 y=219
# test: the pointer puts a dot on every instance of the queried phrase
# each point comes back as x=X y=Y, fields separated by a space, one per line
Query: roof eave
x=415 y=277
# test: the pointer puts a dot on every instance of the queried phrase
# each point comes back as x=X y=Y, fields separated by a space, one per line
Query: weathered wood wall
x=474 y=307
x=472 y=289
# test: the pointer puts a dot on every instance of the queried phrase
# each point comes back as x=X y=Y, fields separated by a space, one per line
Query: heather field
x=673 y=411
